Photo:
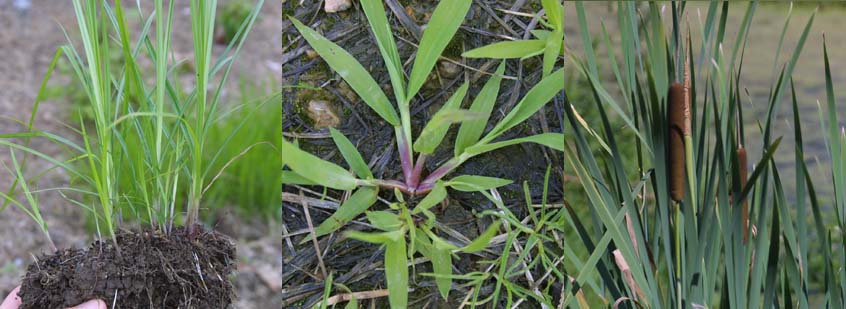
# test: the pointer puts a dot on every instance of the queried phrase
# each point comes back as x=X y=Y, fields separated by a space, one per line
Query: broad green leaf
x=383 y=220
x=443 y=24
x=536 y=98
x=554 y=13
x=291 y=178
x=316 y=169
x=551 y=140
x=358 y=202
x=541 y=34
x=481 y=242
x=396 y=273
x=422 y=243
x=377 y=238
x=507 y=50
x=551 y=50
x=442 y=264
x=473 y=183
x=434 y=197
x=351 y=155
x=471 y=130
x=376 y=16
x=437 y=127
x=351 y=71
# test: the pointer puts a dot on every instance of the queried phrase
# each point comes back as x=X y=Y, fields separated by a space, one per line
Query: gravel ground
x=29 y=37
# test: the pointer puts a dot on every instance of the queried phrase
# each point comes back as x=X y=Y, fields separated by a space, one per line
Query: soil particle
x=145 y=270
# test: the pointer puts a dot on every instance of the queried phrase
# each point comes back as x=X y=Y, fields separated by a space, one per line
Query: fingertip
x=12 y=301
x=91 y=304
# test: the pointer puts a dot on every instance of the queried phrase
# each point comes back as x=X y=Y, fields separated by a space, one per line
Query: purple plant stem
x=440 y=173
x=393 y=184
x=405 y=154
x=414 y=180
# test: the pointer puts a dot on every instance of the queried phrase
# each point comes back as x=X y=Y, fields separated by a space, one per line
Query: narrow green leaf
x=443 y=24
x=352 y=304
x=351 y=155
x=377 y=238
x=554 y=13
x=384 y=220
x=551 y=140
x=291 y=178
x=508 y=50
x=434 y=197
x=473 y=183
x=442 y=264
x=358 y=202
x=471 y=130
x=376 y=16
x=351 y=71
x=396 y=273
x=551 y=50
x=316 y=169
x=437 y=127
x=481 y=242
x=536 y=98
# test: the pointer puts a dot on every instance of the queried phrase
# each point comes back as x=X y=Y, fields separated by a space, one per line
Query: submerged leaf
x=316 y=169
x=351 y=71
x=443 y=24
x=358 y=202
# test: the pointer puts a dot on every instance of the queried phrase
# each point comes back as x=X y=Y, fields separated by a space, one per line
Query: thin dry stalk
x=357 y=295
x=314 y=237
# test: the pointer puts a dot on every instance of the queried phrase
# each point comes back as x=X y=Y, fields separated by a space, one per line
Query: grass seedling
x=472 y=140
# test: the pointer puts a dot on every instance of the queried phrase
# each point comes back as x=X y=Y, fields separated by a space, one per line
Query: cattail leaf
x=473 y=183
x=434 y=197
x=443 y=24
x=376 y=16
x=350 y=154
x=437 y=127
x=536 y=98
x=358 y=202
x=396 y=273
x=316 y=169
x=351 y=71
x=508 y=50
x=384 y=220
x=471 y=130
x=551 y=140
x=481 y=242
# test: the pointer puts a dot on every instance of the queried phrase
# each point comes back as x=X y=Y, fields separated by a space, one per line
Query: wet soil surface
x=356 y=264
x=138 y=270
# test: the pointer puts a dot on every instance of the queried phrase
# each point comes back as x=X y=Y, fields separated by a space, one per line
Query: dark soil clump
x=150 y=270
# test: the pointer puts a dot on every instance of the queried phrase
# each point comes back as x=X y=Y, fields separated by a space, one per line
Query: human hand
x=12 y=301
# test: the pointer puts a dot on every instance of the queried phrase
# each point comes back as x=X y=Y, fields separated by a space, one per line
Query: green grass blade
x=316 y=169
x=396 y=273
x=358 y=202
x=384 y=220
x=536 y=98
x=442 y=264
x=473 y=183
x=375 y=12
x=551 y=140
x=481 y=242
x=351 y=71
x=443 y=24
x=508 y=50
x=471 y=130
x=437 y=127
x=350 y=154
x=434 y=197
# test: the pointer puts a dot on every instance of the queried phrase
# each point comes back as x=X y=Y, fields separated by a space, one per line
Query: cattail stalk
x=744 y=210
x=678 y=113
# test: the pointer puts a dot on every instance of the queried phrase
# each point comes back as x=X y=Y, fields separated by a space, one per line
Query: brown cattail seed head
x=676 y=119
x=742 y=168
